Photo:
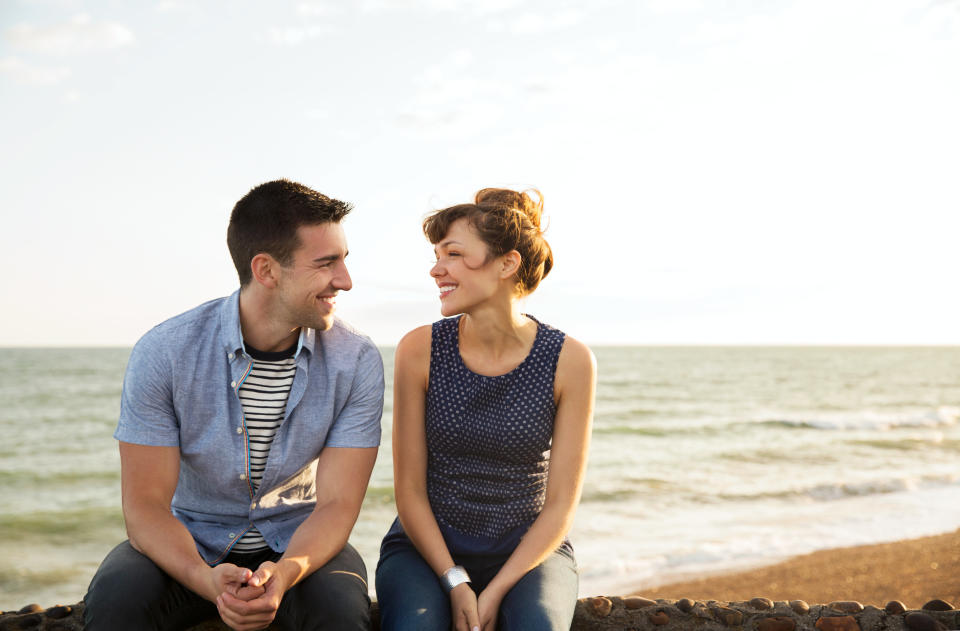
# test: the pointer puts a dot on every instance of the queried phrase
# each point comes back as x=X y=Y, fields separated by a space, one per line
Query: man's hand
x=463 y=608
x=255 y=605
x=227 y=578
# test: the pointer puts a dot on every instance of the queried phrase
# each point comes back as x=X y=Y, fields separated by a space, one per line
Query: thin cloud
x=530 y=23
x=31 y=74
x=472 y=7
x=79 y=35
x=296 y=35
x=317 y=9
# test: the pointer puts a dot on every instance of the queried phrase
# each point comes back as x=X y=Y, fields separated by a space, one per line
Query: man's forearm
x=318 y=539
x=156 y=533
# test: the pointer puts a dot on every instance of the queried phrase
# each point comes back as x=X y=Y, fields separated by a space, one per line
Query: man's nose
x=342 y=280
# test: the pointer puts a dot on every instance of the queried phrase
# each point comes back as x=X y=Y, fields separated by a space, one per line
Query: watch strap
x=454 y=576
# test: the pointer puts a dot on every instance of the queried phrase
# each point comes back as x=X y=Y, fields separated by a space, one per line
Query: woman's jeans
x=411 y=596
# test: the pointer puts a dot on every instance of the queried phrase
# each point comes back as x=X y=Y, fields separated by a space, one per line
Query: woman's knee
x=544 y=599
x=409 y=595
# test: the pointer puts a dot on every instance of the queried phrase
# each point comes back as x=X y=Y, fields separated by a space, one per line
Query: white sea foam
x=670 y=549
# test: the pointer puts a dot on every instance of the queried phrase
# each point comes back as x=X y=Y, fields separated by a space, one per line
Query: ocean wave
x=630 y=429
x=379 y=495
x=944 y=416
x=844 y=490
x=631 y=489
x=44 y=527
x=19 y=478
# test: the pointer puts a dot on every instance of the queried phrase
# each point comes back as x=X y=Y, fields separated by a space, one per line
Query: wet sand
x=914 y=572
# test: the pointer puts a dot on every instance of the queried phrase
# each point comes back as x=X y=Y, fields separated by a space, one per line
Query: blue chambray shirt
x=180 y=390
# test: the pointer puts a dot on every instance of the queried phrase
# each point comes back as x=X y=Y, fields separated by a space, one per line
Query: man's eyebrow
x=331 y=257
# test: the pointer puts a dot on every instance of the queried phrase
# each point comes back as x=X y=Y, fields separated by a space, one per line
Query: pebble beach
x=913 y=572
x=912 y=584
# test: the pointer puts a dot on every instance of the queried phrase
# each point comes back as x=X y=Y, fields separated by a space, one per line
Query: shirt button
x=229 y=355
x=239 y=430
x=243 y=476
x=233 y=384
x=253 y=506
x=232 y=535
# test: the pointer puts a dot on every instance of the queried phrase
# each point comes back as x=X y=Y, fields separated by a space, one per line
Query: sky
x=714 y=172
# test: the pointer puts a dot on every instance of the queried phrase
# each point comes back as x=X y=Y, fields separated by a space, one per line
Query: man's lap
x=128 y=586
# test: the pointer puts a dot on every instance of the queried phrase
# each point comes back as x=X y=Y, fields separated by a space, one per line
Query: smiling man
x=248 y=430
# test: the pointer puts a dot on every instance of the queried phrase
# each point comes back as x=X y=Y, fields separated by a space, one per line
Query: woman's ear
x=265 y=270
x=510 y=264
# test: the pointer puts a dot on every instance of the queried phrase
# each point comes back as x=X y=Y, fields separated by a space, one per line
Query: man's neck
x=258 y=326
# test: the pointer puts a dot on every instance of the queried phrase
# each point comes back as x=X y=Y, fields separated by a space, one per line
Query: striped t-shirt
x=263 y=395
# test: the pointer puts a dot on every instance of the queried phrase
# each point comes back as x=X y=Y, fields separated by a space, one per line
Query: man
x=248 y=430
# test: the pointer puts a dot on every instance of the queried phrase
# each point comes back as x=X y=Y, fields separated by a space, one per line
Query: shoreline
x=912 y=571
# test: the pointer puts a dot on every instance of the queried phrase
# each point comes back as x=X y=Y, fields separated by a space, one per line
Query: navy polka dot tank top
x=488 y=440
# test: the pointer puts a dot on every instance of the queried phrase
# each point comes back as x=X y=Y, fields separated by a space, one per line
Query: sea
x=702 y=460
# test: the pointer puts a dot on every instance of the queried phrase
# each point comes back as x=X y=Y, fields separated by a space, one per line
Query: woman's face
x=463 y=271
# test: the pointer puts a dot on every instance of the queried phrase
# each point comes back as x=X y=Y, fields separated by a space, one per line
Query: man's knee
x=336 y=596
x=119 y=591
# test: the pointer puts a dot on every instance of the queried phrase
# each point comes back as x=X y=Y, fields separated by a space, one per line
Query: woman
x=491 y=425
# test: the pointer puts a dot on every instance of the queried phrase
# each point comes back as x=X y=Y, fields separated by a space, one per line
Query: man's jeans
x=130 y=592
x=411 y=597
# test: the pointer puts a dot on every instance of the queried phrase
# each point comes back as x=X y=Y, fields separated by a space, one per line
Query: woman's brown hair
x=505 y=220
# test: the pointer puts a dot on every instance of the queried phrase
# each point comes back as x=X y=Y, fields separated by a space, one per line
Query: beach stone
x=728 y=616
x=777 y=623
x=659 y=618
x=685 y=605
x=838 y=623
x=31 y=608
x=846 y=606
x=638 y=602
x=895 y=606
x=59 y=611
x=937 y=605
x=800 y=607
x=600 y=606
x=761 y=603
x=917 y=621
x=27 y=621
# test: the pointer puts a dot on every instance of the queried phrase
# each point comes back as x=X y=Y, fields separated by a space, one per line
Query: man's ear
x=266 y=270
x=510 y=264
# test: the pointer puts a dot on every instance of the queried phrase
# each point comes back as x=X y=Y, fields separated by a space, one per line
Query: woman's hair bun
x=516 y=200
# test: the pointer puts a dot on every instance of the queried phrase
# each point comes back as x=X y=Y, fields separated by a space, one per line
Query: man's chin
x=323 y=324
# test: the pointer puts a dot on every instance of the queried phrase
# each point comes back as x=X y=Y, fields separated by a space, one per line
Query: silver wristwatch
x=454 y=576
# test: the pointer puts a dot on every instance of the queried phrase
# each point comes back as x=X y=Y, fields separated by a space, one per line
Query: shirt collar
x=232 y=337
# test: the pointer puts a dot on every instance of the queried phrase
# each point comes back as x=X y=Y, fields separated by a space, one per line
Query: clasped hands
x=472 y=612
x=247 y=600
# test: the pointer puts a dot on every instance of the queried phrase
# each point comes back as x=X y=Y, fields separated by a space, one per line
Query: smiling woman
x=492 y=417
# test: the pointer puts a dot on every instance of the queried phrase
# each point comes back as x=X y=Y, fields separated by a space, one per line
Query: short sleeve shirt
x=180 y=390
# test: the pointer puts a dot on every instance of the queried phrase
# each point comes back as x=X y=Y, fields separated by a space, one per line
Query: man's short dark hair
x=267 y=218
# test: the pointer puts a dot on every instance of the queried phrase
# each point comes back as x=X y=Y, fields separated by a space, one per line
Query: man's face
x=308 y=287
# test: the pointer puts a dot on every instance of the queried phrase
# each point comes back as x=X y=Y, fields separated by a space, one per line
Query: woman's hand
x=488 y=606
x=463 y=608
